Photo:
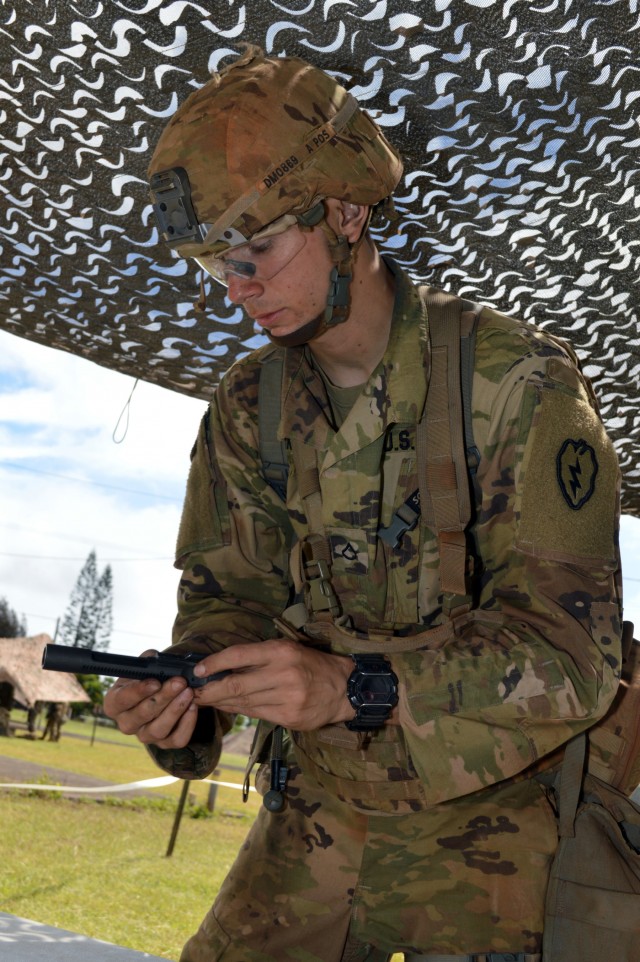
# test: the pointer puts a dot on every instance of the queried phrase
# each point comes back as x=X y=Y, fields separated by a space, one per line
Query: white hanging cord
x=125 y=411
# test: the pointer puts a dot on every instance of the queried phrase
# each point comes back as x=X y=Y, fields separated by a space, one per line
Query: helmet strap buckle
x=337 y=307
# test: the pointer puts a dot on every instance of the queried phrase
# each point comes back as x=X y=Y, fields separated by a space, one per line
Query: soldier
x=55 y=721
x=6 y=704
x=33 y=713
x=402 y=813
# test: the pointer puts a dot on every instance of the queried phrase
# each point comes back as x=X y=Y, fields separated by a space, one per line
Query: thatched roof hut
x=21 y=666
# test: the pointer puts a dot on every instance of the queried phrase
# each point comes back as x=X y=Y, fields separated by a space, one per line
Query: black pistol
x=86 y=661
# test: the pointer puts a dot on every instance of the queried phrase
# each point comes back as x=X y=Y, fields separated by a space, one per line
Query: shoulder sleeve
x=538 y=658
x=234 y=535
x=205 y=515
x=233 y=545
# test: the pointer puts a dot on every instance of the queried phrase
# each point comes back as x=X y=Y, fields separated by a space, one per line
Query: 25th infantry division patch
x=577 y=467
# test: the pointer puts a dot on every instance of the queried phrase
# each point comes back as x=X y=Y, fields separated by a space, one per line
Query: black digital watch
x=372 y=689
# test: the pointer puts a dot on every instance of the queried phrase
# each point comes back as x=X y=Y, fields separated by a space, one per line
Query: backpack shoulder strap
x=445 y=448
x=273 y=451
x=469 y=315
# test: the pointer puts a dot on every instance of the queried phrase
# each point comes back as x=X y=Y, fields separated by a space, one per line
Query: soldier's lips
x=267 y=320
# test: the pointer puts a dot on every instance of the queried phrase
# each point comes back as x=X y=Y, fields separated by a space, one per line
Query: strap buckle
x=405 y=519
x=319 y=588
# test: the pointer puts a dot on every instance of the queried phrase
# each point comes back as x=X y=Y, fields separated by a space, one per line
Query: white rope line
x=159 y=782
x=209 y=781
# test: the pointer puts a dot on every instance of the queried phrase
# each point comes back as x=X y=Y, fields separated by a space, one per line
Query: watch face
x=372 y=689
x=375 y=689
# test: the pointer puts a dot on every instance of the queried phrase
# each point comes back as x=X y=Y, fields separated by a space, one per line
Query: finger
x=233 y=658
x=140 y=713
x=130 y=707
x=160 y=726
x=181 y=734
x=262 y=676
x=124 y=694
x=247 y=694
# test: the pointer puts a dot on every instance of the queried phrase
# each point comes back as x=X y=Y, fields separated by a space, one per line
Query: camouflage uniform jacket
x=538 y=660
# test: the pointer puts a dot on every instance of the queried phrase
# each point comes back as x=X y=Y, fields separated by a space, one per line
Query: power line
x=42 y=557
x=115 y=631
x=98 y=484
x=100 y=542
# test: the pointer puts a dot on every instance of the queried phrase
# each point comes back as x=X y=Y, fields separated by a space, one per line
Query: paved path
x=24 y=941
x=18 y=771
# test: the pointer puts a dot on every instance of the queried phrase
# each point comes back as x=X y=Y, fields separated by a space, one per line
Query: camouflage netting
x=519 y=129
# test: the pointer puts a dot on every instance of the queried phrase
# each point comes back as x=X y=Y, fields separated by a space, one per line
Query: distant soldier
x=33 y=713
x=6 y=701
x=55 y=721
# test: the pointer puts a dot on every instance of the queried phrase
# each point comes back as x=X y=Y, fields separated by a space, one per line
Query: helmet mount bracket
x=171 y=198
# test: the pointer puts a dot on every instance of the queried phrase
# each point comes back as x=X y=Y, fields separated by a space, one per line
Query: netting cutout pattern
x=518 y=124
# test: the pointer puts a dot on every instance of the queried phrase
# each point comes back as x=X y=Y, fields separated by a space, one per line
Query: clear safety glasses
x=261 y=258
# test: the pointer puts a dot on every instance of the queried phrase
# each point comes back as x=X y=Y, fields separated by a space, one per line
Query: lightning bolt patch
x=577 y=467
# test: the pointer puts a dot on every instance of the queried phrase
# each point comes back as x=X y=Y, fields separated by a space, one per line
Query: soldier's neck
x=351 y=351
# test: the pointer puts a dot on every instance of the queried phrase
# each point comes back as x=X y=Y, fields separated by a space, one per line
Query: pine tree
x=88 y=620
x=104 y=609
x=11 y=626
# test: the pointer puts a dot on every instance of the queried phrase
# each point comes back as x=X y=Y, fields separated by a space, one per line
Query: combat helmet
x=266 y=138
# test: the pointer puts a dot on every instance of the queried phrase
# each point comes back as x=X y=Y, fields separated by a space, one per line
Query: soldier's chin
x=300 y=336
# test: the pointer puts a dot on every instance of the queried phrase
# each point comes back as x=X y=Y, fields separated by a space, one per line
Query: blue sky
x=66 y=487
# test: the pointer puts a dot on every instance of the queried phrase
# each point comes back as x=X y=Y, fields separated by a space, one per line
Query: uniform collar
x=395 y=392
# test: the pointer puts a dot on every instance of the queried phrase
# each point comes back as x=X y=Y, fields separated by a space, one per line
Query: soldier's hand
x=280 y=681
x=157 y=714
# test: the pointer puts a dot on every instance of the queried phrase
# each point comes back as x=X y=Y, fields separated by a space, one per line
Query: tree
x=96 y=688
x=87 y=621
x=104 y=609
x=11 y=626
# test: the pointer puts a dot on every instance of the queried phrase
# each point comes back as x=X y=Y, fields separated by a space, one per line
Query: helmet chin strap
x=338 y=301
x=335 y=312
x=300 y=336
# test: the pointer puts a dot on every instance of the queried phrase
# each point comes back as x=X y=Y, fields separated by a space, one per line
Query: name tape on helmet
x=319 y=137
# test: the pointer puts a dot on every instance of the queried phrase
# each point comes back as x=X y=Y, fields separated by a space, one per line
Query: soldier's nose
x=240 y=288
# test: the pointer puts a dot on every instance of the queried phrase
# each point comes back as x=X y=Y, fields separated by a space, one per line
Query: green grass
x=101 y=869
x=114 y=757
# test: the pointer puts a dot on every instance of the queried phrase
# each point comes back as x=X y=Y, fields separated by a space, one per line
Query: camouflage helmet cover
x=269 y=136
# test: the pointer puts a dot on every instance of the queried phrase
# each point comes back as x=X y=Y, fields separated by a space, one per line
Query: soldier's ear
x=346 y=218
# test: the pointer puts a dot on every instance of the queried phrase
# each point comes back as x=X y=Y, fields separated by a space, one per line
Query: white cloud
x=69 y=409
x=58 y=413
x=630 y=550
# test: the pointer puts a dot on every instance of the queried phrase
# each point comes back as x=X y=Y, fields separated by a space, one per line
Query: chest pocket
x=376 y=579
x=364 y=490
